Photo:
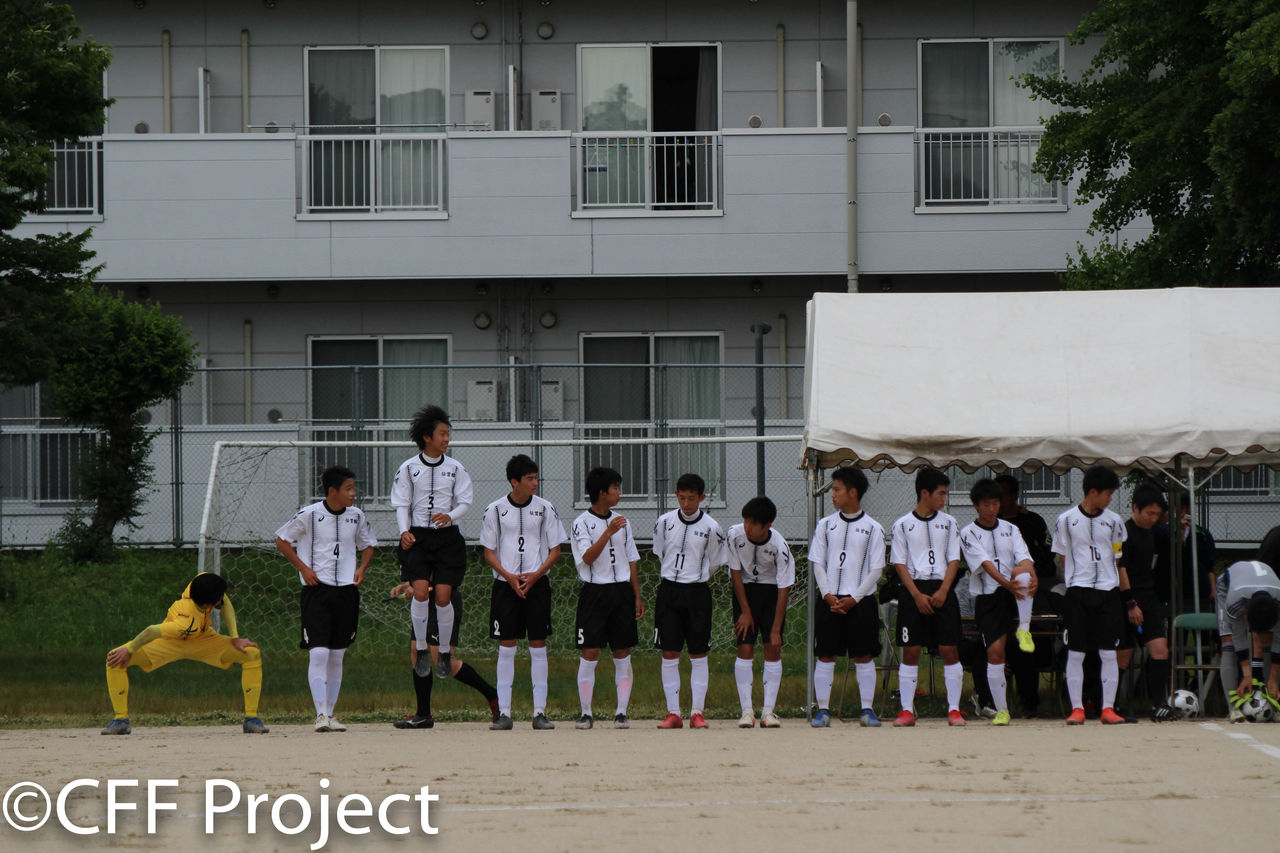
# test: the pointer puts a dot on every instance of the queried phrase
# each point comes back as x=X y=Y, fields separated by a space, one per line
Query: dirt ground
x=1036 y=785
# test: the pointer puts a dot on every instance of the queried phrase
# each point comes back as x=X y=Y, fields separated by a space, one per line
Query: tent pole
x=815 y=495
x=1195 y=562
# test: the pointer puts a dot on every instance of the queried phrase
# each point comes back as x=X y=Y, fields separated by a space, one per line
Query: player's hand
x=639 y=608
x=1135 y=615
x=938 y=599
x=407 y=539
x=616 y=524
x=832 y=601
x=242 y=643
x=923 y=602
x=401 y=590
x=119 y=658
x=1034 y=586
x=309 y=577
x=513 y=581
x=441 y=519
x=775 y=637
x=844 y=605
x=1245 y=690
x=360 y=570
x=744 y=624
x=1273 y=688
x=527 y=582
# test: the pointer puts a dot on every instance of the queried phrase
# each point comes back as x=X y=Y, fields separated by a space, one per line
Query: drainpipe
x=248 y=374
x=852 y=106
x=782 y=359
x=244 y=81
x=782 y=76
x=166 y=82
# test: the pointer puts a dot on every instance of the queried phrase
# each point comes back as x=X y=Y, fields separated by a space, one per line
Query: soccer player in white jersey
x=1088 y=537
x=925 y=551
x=763 y=571
x=609 y=602
x=1247 y=596
x=847 y=555
x=324 y=541
x=431 y=492
x=521 y=538
x=1002 y=580
x=690 y=546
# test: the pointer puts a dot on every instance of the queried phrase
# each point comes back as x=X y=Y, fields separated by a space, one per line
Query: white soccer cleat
x=322 y=723
x=335 y=726
x=769 y=720
x=747 y=721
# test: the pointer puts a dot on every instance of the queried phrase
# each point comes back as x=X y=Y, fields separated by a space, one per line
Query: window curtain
x=615 y=96
x=953 y=88
x=340 y=101
x=407 y=389
x=1014 y=105
x=412 y=100
x=690 y=394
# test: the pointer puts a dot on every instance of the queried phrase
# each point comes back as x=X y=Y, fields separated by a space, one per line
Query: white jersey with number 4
x=925 y=545
x=1089 y=545
x=521 y=536
x=689 y=550
x=768 y=563
x=329 y=542
x=1002 y=546
x=614 y=563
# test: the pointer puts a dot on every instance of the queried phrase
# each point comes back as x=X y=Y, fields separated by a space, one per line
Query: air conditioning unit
x=552 y=395
x=482 y=400
x=479 y=109
x=546 y=109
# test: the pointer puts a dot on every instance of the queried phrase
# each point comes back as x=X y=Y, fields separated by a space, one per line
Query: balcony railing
x=959 y=167
x=75 y=179
x=395 y=173
x=631 y=170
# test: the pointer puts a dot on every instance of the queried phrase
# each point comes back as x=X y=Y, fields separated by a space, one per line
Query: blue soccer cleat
x=868 y=719
x=822 y=719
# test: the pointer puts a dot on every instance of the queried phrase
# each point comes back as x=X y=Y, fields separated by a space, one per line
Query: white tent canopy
x=1129 y=379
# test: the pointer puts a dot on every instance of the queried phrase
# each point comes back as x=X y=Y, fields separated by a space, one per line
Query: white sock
x=996 y=680
x=444 y=627
x=772 y=681
x=866 y=672
x=586 y=683
x=623 y=679
x=671 y=684
x=824 y=674
x=538 y=674
x=907 y=675
x=317 y=671
x=953 y=677
x=1110 y=677
x=1024 y=604
x=506 y=677
x=333 y=679
x=1075 y=679
x=699 y=675
x=745 y=677
x=419 y=611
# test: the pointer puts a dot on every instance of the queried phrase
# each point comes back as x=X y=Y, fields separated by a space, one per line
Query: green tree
x=120 y=358
x=50 y=89
x=1177 y=119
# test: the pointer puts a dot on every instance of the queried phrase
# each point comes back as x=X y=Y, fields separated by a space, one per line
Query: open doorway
x=686 y=105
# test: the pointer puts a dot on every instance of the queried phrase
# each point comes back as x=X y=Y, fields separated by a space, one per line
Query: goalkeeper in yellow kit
x=185 y=634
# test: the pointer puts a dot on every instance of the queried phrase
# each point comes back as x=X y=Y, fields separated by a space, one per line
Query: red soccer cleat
x=697 y=721
x=1076 y=718
x=1110 y=717
x=955 y=718
x=904 y=718
x=672 y=721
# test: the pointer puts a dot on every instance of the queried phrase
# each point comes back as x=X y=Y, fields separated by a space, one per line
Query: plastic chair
x=1201 y=624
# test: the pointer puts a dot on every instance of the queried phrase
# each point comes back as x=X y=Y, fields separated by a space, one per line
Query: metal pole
x=814 y=477
x=852 y=106
x=760 y=330
x=1195 y=564
x=175 y=432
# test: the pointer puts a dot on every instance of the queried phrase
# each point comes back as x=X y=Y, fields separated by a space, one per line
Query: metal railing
x=75 y=179
x=981 y=166
x=633 y=170
x=373 y=174
x=42 y=465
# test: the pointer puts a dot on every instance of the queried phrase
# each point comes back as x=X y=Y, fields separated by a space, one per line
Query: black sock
x=1258 y=674
x=1158 y=680
x=422 y=688
x=468 y=676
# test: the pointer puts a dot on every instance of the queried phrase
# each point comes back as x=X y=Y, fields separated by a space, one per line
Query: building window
x=979 y=130
x=40 y=459
x=1232 y=482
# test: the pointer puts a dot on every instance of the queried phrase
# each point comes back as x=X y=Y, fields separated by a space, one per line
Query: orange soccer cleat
x=904 y=718
x=672 y=721
x=1076 y=718
x=955 y=718
x=1110 y=717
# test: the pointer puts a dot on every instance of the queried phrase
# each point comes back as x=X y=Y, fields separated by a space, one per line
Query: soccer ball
x=1185 y=703
x=1257 y=709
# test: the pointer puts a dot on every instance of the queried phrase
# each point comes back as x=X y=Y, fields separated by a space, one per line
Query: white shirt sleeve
x=1020 y=550
x=1059 y=544
x=292 y=529
x=975 y=552
x=489 y=528
x=818 y=558
x=633 y=553
x=402 y=489
x=552 y=528
x=953 y=542
x=875 y=564
x=898 y=545
x=462 y=496
x=717 y=547
x=364 y=534
x=404 y=519
x=581 y=542
x=786 y=565
x=659 y=540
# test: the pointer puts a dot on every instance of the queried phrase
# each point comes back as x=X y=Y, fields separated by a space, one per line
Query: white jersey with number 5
x=521 y=535
x=689 y=550
x=329 y=542
x=1088 y=545
x=614 y=563
x=925 y=545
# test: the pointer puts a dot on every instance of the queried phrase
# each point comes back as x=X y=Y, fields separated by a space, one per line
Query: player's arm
x=286 y=548
x=923 y=603
x=744 y=622
x=462 y=498
x=1131 y=609
x=597 y=548
x=553 y=554
x=635 y=587
x=512 y=579
x=818 y=565
x=401 y=499
x=366 y=556
x=228 y=617
x=940 y=597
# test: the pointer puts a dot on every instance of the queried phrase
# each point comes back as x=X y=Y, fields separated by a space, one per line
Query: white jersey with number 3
x=521 y=536
x=428 y=487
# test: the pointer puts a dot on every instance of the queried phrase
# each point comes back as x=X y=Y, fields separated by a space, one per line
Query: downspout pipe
x=782 y=75
x=166 y=80
x=852 y=105
x=244 y=81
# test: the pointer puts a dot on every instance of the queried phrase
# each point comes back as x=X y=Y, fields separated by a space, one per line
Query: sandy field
x=1036 y=785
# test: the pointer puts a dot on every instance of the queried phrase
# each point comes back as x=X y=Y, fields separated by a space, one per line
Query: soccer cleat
x=697 y=721
x=1109 y=717
x=415 y=722
x=955 y=718
x=904 y=719
x=1076 y=718
x=822 y=719
x=322 y=723
x=868 y=719
x=1163 y=713
x=502 y=724
x=254 y=726
x=118 y=726
x=541 y=723
x=584 y=722
x=422 y=666
x=444 y=665
x=1000 y=719
x=769 y=720
x=672 y=721
x=1025 y=642
x=493 y=708
x=747 y=721
x=981 y=710
x=1235 y=715
x=335 y=726
x=620 y=721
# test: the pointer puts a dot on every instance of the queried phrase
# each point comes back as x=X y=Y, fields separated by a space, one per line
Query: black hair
x=1100 y=478
x=760 y=509
x=520 y=465
x=1262 y=613
x=853 y=479
x=1009 y=482
x=599 y=480
x=424 y=424
x=691 y=483
x=985 y=490
x=1147 y=493
x=208 y=589
x=929 y=480
x=334 y=476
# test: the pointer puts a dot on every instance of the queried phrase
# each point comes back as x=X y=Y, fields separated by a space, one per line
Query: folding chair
x=1201 y=624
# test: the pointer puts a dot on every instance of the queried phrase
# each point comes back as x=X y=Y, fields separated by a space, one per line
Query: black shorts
x=995 y=614
x=682 y=618
x=762 y=598
x=607 y=616
x=1154 y=618
x=330 y=615
x=433 y=630
x=856 y=633
x=438 y=555
x=940 y=628
x=514 y=618
x=1094 y=618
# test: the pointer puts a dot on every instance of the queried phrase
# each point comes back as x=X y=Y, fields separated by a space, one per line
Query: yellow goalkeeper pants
x=213 y=649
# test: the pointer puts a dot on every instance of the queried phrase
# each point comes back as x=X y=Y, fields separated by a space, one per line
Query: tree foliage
x=1178 y=119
